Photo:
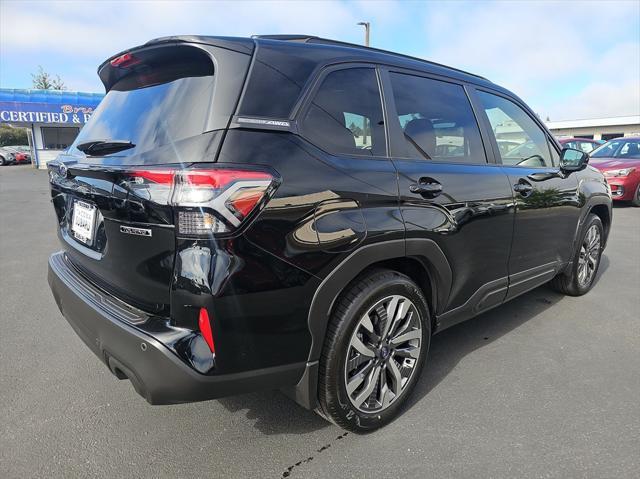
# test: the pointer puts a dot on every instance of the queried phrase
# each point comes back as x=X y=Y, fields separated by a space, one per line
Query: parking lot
x=545 y=386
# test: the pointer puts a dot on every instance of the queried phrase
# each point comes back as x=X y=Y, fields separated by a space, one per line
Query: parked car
x=7 y=155
x=583 y=144
x=22 y=158
x=619 y=161
x=14 y=154
x=280 y=212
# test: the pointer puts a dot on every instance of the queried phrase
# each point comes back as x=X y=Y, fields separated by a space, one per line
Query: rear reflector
x=205 y=328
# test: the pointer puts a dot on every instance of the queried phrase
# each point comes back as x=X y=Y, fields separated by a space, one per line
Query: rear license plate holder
x=83 y=221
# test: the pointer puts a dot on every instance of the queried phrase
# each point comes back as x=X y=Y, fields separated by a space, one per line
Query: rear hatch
x=165 y=111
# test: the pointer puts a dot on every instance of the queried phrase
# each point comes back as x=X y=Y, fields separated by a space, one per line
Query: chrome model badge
x=130 y=230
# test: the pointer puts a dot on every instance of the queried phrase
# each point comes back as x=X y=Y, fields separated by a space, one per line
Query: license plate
x=84 y=218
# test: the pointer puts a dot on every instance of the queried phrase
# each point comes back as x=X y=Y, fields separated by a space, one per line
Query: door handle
x=523 y=188
x=430 y=189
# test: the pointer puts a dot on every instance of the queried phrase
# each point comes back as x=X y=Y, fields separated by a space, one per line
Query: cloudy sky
x=567 y=59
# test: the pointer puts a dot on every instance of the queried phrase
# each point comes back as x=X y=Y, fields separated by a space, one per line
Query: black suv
x=297 y=213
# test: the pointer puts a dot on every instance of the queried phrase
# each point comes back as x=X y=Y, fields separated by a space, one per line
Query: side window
x=437 y=120
x=585 y=146
x=345 y=116
x=510 y=122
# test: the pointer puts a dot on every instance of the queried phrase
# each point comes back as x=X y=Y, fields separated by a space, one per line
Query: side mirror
x=573 y=160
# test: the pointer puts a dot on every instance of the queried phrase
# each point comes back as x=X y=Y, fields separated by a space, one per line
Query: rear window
x=161 y=97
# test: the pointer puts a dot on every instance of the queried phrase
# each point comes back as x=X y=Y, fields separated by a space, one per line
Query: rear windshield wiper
x=104 y=147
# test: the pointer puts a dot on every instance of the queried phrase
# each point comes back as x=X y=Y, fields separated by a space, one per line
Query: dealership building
x=53 y=118
x=597 y=128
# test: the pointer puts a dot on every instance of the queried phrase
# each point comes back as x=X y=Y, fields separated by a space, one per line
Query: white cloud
x=105 y=27
x=538 y=48
x=566 y=59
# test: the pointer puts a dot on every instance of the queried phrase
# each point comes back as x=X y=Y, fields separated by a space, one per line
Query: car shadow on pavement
x=274 y=413
x=450 y=346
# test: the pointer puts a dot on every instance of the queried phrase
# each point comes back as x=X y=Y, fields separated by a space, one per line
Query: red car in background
x=619 y=161
x=583 y=144
x=22 y=158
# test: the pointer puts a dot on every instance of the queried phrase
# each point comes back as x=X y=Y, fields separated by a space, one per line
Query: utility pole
x=367 y=28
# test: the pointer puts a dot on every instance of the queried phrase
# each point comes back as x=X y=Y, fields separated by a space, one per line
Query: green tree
x=42 y=80
x=12 y=136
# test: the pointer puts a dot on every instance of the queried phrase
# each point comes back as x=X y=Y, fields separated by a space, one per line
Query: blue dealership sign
x=43 y=106
x=14 y=112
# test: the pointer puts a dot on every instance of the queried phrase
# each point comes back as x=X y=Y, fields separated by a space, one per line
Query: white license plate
x=84 y=218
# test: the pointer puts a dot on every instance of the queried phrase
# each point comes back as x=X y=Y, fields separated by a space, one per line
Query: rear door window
x=437 y=120
x=345 y=116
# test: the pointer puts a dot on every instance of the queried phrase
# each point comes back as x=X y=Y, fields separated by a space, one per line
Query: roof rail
x=301 y=38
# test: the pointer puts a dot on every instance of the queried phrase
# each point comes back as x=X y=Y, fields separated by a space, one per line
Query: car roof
x=323 y=48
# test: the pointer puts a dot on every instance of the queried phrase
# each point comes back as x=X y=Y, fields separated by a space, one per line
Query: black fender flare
x=426 y=251
x=594 y=200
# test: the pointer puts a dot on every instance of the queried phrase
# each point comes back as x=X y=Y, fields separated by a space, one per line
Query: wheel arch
x=604 y=213
x=601 y=206
x=422 y=260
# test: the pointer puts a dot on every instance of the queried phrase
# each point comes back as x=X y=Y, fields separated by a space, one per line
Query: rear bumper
x=155 y=372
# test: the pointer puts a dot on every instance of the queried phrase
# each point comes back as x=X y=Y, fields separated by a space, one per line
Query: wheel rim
x=589 y=255
x=383 y=353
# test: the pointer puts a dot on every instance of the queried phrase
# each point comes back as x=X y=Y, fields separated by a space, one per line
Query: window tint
x=345 y=116
x=437 y=120
x=58 y=138
x=510 y=122
x=618 y=149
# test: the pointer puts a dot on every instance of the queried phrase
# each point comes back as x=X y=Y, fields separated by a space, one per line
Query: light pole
x=367 y=28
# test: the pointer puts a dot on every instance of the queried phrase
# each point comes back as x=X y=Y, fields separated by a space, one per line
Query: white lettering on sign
x=14 y=112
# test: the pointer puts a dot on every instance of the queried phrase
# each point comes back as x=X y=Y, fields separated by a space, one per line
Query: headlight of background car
x=622 y=172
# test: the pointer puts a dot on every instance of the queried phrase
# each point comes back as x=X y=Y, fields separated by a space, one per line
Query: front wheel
x=2 y=161
x=375 y=348
x=586 y=260
x=636 y=198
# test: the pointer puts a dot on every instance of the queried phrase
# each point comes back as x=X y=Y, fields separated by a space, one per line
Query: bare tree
x=44 y=81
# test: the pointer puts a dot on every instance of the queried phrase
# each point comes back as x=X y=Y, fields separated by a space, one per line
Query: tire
x=578 y=281
x=2 y=161
x=346 y=375
x=636 y=198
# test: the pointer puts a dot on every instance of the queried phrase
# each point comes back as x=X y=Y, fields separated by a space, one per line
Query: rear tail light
x=212 y=200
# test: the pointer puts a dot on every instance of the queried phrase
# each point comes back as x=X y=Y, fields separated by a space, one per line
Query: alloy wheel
x=383 y=353
x=589 y=255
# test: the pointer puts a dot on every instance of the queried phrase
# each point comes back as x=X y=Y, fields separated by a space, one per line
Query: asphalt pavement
x=544 y=386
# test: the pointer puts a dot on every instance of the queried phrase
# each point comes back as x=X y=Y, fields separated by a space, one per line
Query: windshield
x=162 y=99
x=618 y=149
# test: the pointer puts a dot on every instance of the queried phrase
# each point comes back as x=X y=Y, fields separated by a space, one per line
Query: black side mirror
x=573 y=160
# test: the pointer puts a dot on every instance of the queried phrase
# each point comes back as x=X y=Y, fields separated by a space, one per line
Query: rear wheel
x=375 y=348
x=586 y=260
x=2 y=161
